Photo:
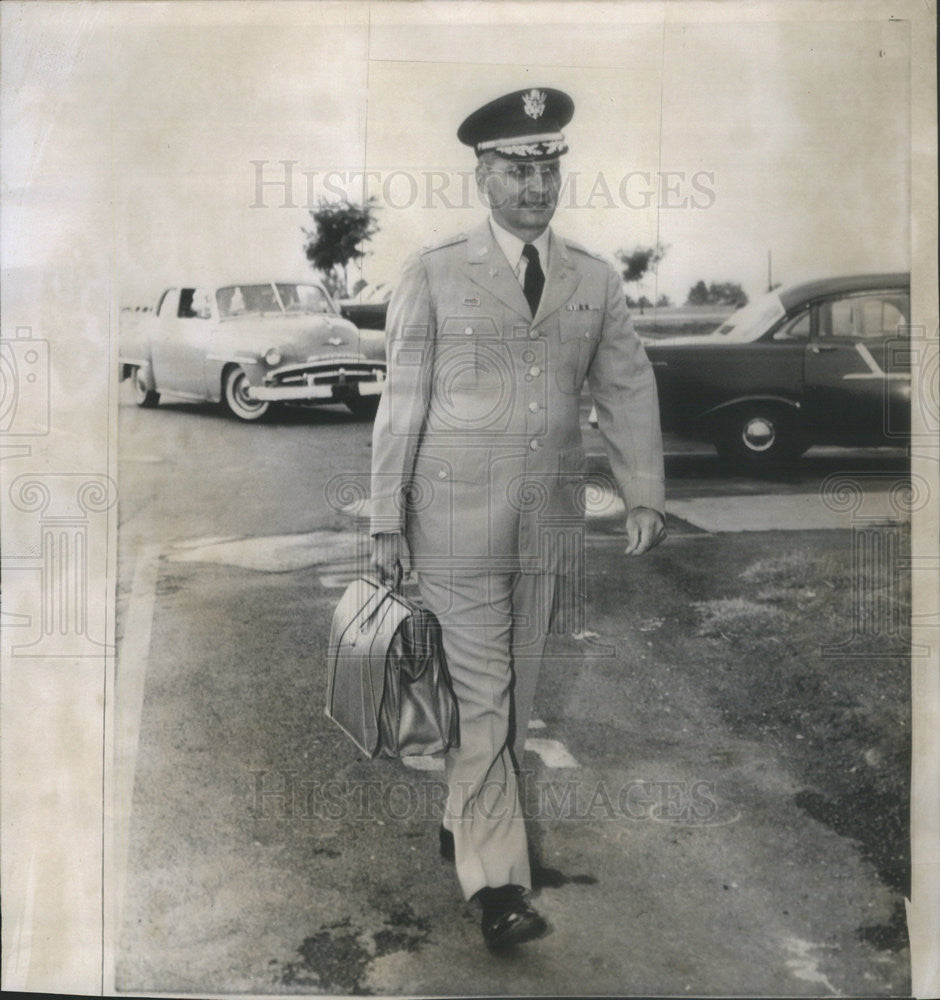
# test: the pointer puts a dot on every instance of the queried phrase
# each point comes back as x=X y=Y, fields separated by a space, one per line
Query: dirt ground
x=734 y=821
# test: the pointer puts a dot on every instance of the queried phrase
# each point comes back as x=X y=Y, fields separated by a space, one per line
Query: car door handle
x=823 y=348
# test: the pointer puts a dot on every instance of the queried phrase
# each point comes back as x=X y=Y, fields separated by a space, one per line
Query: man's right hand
x=386 y=558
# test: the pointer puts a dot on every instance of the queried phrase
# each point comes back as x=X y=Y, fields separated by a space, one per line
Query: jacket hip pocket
x=579 y=339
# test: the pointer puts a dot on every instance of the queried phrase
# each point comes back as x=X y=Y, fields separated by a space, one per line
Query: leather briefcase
x=388 y=686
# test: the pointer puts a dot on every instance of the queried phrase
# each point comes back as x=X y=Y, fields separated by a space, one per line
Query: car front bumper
x=321 y=384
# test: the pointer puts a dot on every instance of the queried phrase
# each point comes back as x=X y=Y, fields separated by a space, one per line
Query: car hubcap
x=241 y=397
x=759 y=434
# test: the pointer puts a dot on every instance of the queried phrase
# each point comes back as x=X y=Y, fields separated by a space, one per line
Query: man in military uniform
x=477 y=461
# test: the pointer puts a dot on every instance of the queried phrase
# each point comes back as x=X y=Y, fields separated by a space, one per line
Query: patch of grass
x=801 y=595
x=797 y=569
x=838 y=710
x=738 y=619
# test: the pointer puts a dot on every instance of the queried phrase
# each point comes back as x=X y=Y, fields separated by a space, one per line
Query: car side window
x=304 y=298
x=194 y=304
x=797 y=328
x=187 y=307
x=870 y=316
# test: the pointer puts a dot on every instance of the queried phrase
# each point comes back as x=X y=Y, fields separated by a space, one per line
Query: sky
x=144 y=129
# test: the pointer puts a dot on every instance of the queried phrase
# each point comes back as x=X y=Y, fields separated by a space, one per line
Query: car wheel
x=759 y=436
x=143 y=395
x=236 y=400
x=363 y=406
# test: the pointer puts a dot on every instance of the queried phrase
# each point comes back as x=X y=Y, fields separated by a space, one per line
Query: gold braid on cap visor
x=528 y=145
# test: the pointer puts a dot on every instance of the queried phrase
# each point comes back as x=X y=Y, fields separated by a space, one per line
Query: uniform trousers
x=494 y=626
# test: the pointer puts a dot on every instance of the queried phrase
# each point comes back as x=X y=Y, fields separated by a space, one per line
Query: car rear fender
x=716 y=412
x=127 y=366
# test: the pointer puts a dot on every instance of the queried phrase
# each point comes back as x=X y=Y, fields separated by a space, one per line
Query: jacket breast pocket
x=579 y=334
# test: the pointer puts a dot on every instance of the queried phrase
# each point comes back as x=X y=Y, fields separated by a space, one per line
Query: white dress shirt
x=512 y=249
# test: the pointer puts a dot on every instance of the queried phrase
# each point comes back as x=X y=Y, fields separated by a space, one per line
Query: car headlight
x=273 y=357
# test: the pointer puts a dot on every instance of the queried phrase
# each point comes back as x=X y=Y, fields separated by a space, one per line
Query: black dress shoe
x=507 y=917
x=447 y=843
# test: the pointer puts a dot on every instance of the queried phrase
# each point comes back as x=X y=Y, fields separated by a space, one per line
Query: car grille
x=346 y=374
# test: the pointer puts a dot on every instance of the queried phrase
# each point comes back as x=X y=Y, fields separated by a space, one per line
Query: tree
x=639 y=261
x=726 y=293
x=340 y=229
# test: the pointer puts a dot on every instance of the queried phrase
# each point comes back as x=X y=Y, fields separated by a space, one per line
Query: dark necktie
x=534 y=280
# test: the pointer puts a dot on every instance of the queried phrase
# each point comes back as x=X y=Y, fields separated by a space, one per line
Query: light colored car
x=250 y=346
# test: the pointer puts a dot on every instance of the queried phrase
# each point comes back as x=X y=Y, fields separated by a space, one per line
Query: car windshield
x=240 y=300
x=750 y=321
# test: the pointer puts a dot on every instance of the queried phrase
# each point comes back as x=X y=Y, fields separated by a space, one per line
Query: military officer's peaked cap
x=524 y=125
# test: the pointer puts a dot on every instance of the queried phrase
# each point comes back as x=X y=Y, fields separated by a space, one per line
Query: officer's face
x=522 y=195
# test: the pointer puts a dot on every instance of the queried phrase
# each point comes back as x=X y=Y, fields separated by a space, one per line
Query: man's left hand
x=646 y=528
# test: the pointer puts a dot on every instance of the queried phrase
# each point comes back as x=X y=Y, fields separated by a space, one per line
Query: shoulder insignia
x=573 y=245
x=449 y=242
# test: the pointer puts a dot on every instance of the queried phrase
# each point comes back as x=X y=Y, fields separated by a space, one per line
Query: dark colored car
x=368 y=309
x=825 y=362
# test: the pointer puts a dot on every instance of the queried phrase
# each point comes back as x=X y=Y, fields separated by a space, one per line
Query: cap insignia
x=534 y=103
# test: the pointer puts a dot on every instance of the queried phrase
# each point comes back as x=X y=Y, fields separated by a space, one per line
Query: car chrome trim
x=751 y=399
x=235 y=359
x=288 y=393
x=875 y=370
x=351 y=370
x=331 y=360
x=759 y=434
x=326 y=362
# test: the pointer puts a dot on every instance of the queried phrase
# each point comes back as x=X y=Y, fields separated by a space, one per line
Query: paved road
x=714 y=806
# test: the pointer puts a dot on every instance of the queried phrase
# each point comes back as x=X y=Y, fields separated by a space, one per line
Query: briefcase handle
x=382 y=592
x=395 y=588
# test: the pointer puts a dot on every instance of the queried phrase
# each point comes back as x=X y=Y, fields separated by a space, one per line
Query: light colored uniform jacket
x=477 y=455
